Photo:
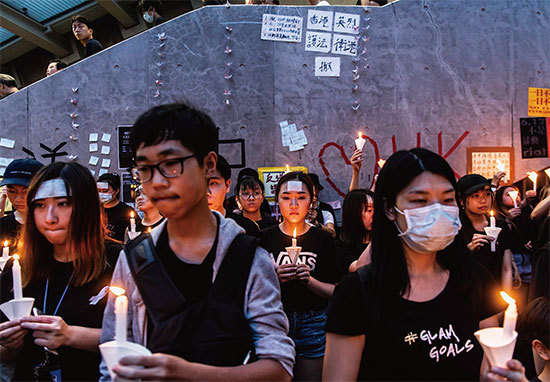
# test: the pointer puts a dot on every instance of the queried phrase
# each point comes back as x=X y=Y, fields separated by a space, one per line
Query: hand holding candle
x=360 y=141
x=510 y=316
x=16 y=273
x=121 y=314
x=132 y=222
x=502 y=168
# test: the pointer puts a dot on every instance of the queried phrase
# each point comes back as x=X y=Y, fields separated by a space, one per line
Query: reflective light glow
x=117 y=290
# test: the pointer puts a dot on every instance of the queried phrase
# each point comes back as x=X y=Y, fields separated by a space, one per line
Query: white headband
x=53 y=188
x=102 y=185
x=294 y=185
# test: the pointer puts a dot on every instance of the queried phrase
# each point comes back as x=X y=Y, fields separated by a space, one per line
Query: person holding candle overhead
x=307 y=284
x=65 y=262
x=208 y=302
x=476 y=200
x=412 y=312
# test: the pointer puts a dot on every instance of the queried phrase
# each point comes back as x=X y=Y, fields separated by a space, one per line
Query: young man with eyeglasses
x=202 y=297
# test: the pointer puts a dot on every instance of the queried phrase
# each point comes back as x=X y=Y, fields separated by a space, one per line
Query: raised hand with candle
x=356 y=163
x=64 y=264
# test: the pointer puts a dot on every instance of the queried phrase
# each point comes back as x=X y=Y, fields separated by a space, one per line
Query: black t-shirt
x=490 y=260
x=432 y=340
x=194 y=281
x=92 y=47
x=118 y=220
x=266 y=221
x=9 y=229
x=250 y=227
x=317 y=252
x=75 y=309
x=347 y=254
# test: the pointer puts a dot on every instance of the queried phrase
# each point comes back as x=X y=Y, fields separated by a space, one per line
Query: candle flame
x=507 y=298
x=547 y=171
x=287 y=168
x=513 y=194
x=492 y=214
x=16 y=257
x=132 y=214
x=117 y=290
x=500 y=166
x=359 y=135
x=149 y=230
x=381 y=163
x=294 y=234
x=6 y=243
x=533 y=176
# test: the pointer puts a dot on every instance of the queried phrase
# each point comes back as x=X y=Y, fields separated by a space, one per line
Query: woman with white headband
x=66 y=265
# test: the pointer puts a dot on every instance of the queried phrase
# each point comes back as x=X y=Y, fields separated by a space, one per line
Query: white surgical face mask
x=105 y=197
x=148 y=18
x=431 y=228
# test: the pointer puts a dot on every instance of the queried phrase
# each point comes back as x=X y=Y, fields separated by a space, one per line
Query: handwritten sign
x=539 y=102
x=344 y=44
x=282 y=28
x=271 y=175
x=484 y=161
x=327 y=66
x=320 y=20
x=346 y=23
x=318 y=42
x=534 y=137
x=125 y=156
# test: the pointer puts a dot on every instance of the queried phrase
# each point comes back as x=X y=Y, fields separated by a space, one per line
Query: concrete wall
x=454 y=72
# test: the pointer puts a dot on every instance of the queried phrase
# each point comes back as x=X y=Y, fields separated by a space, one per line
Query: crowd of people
x=219 y=287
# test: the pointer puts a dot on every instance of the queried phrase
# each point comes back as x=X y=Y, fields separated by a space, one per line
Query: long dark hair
x=85 y=234
x=353 y=231
x=388 y=259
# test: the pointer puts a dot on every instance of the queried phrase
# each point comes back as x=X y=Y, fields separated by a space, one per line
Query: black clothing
x=118 y=220
x=325 y=207
x=490 y=260
x=250 y=227
x=140 y=227
x=75 y=309
x=406 y=340
x=189 y=315
x=92 y=47
x=541 y=273
x=9 y=229
x=317 y=252
x=266 y=221
x=347 y=254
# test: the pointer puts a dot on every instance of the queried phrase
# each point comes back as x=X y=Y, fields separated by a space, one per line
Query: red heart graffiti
x=346 y=159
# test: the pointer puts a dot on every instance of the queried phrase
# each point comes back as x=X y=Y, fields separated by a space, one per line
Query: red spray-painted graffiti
x=377 y=154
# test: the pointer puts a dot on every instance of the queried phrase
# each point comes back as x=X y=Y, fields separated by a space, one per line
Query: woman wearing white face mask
x=412 y=312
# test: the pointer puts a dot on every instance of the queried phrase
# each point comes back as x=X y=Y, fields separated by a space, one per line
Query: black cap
x=21 y=171
x=248 y=172
x=315 y=180
x=470 y=183
x=111 y=179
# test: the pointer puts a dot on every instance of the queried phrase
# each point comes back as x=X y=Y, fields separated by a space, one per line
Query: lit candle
x=547 y=171
x=514 y=196
x=510 y=316
x=381 y=163
x=16 y=274
x=121 y=314
x=5 y=250
x=294 y=242
x=149 y=230
x=132 y=222
x=492 y=220
x=287 y=169
x=360 y=141
x=533 y=176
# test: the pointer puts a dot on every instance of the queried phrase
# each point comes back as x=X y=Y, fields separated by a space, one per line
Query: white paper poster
x=327 y=66
x=9 y=143
x=282 y=28
x=318 y=42
x=105 y=150
x=93 y=147
x=105 y=162
x=93 y=160
x=106 y=137
x=5 y=161
x=93 y=137
x=320 y=20
x=346 y=23
x=344 y=44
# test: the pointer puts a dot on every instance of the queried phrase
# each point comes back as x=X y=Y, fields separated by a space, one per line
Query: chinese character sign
x=539 y=102
x=318 y=42
x=486 y=163
x=282 y=28
x=319 y=20
x=327 y=66
x=346 y=23
x=344 y=44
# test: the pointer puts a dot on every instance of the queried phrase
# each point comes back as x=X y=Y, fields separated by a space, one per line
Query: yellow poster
x=539 y=102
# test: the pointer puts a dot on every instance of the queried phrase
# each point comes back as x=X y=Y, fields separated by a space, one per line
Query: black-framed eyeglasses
x=169 y=168
x=247 y=195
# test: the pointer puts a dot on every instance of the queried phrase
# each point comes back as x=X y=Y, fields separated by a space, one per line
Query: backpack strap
x=148 y=272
